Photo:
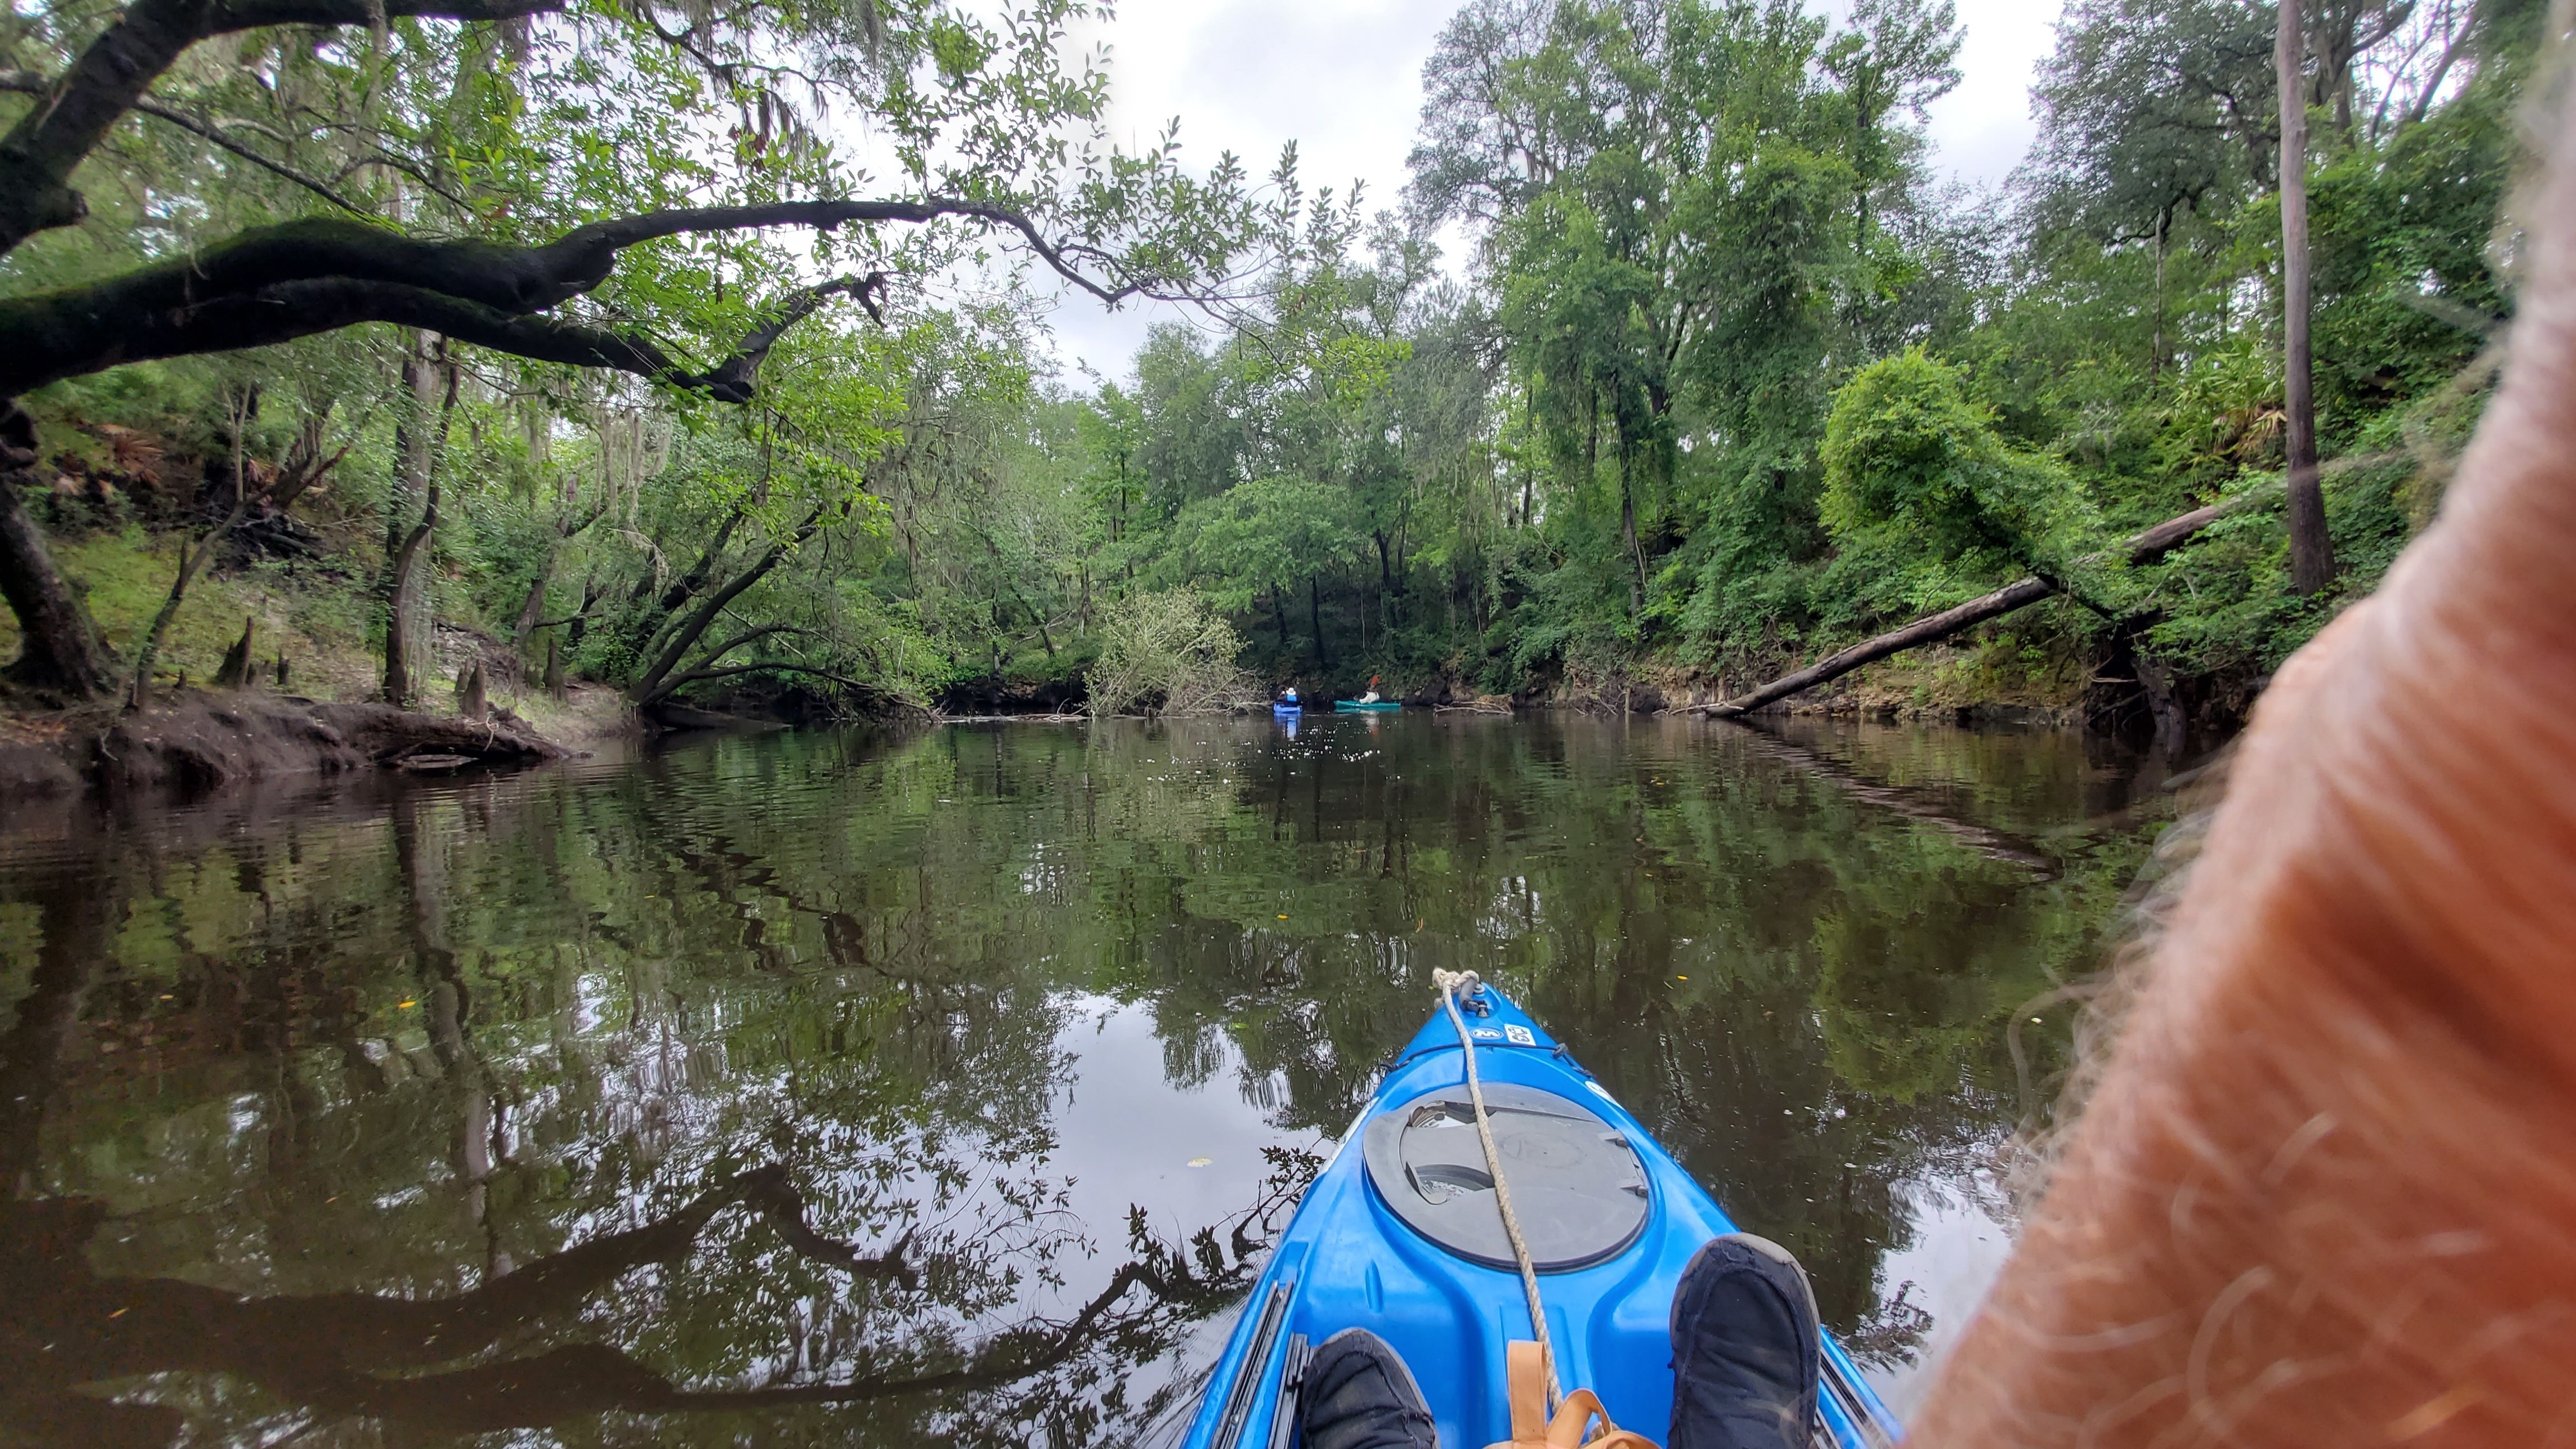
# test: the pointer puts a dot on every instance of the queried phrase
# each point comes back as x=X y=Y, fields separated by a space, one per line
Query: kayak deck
x=1348 y=1259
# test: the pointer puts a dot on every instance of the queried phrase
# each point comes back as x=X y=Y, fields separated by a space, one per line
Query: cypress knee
x=235 y=671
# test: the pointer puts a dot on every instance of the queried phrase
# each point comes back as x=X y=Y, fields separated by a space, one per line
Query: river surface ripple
x=849 y=1088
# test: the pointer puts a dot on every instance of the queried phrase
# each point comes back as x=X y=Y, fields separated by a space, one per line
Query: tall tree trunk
x=1315 y=609
x=532 y=609
x=417 y=439
x=651 y=685
x=1591 y=439
x=1628 y=532
x=59 y=650
x=1385 y=580
x=405 y=656
x=581 y=620
x=2311 y=549
x=2156 y=348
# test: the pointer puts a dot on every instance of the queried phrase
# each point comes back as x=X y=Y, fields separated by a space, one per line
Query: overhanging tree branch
x=727 y=647
x=765 y=666
x=81 y=330
x=277 y=283
x=80 y=325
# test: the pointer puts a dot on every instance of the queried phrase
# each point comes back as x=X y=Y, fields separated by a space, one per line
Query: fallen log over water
x=2141 y=548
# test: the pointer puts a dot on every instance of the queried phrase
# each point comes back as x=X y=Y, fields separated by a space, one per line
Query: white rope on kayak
x=1450 y=983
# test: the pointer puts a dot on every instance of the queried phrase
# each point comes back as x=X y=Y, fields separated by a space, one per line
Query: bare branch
x=75 y=114
x=28 y=82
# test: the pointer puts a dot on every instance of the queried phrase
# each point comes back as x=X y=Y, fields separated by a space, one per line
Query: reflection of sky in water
x=1957 y=1251
x=1131 y=1135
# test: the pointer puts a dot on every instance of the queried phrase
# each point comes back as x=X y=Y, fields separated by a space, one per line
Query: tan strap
x=1525 y=1368
x=1525 y=1364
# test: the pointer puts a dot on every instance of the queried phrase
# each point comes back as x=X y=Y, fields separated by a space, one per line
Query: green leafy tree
x=550 y=180
x=1911 y=460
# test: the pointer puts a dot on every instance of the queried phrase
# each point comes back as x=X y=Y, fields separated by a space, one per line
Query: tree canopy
x=673 y=374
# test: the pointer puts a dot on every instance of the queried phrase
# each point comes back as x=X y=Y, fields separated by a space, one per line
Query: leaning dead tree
x=2142 y=548
x=275 y=283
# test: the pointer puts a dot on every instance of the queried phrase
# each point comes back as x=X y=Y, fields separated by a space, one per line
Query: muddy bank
x=201 y=739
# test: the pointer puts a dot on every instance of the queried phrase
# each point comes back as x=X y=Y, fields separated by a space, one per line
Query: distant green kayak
x=1353 y=706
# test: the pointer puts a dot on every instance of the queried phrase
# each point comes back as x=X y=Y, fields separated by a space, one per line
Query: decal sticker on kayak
x=1602 y=1092
x=1486 y=1033
x=1520 y=1036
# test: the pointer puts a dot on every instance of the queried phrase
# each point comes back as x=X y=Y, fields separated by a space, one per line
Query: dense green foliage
x=1725 y=377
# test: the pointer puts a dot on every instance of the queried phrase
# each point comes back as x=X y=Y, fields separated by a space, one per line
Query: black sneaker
x=1359 y=1395
x=1746 y=1356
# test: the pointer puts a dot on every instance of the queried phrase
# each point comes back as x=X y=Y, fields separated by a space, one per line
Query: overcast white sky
x=1343 y=78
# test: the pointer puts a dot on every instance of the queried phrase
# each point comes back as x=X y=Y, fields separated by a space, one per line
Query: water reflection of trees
x=575 y=1172
x=1853 y=946
x=1798 y=976
x=421 y=1044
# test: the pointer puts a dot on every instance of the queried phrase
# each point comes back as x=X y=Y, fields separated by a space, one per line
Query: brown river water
x=863 y=1089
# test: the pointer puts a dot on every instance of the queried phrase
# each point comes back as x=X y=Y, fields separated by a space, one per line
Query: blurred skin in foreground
x=2325 y=1193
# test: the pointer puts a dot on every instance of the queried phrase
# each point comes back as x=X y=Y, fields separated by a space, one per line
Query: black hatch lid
x=1577 y=1187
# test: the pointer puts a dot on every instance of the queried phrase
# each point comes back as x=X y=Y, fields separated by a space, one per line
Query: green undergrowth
x=319 y=624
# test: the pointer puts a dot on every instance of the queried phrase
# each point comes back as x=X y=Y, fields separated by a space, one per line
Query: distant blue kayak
x=1287 y=709
x=1399 y=1235
x=1369 y=706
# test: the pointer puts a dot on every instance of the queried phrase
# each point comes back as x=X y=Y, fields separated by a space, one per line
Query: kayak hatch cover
x=1399 y=1235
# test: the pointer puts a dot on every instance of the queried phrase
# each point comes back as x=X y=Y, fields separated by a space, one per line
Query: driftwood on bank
x=198 y=739
x=386 y=735
x=2141 y=548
